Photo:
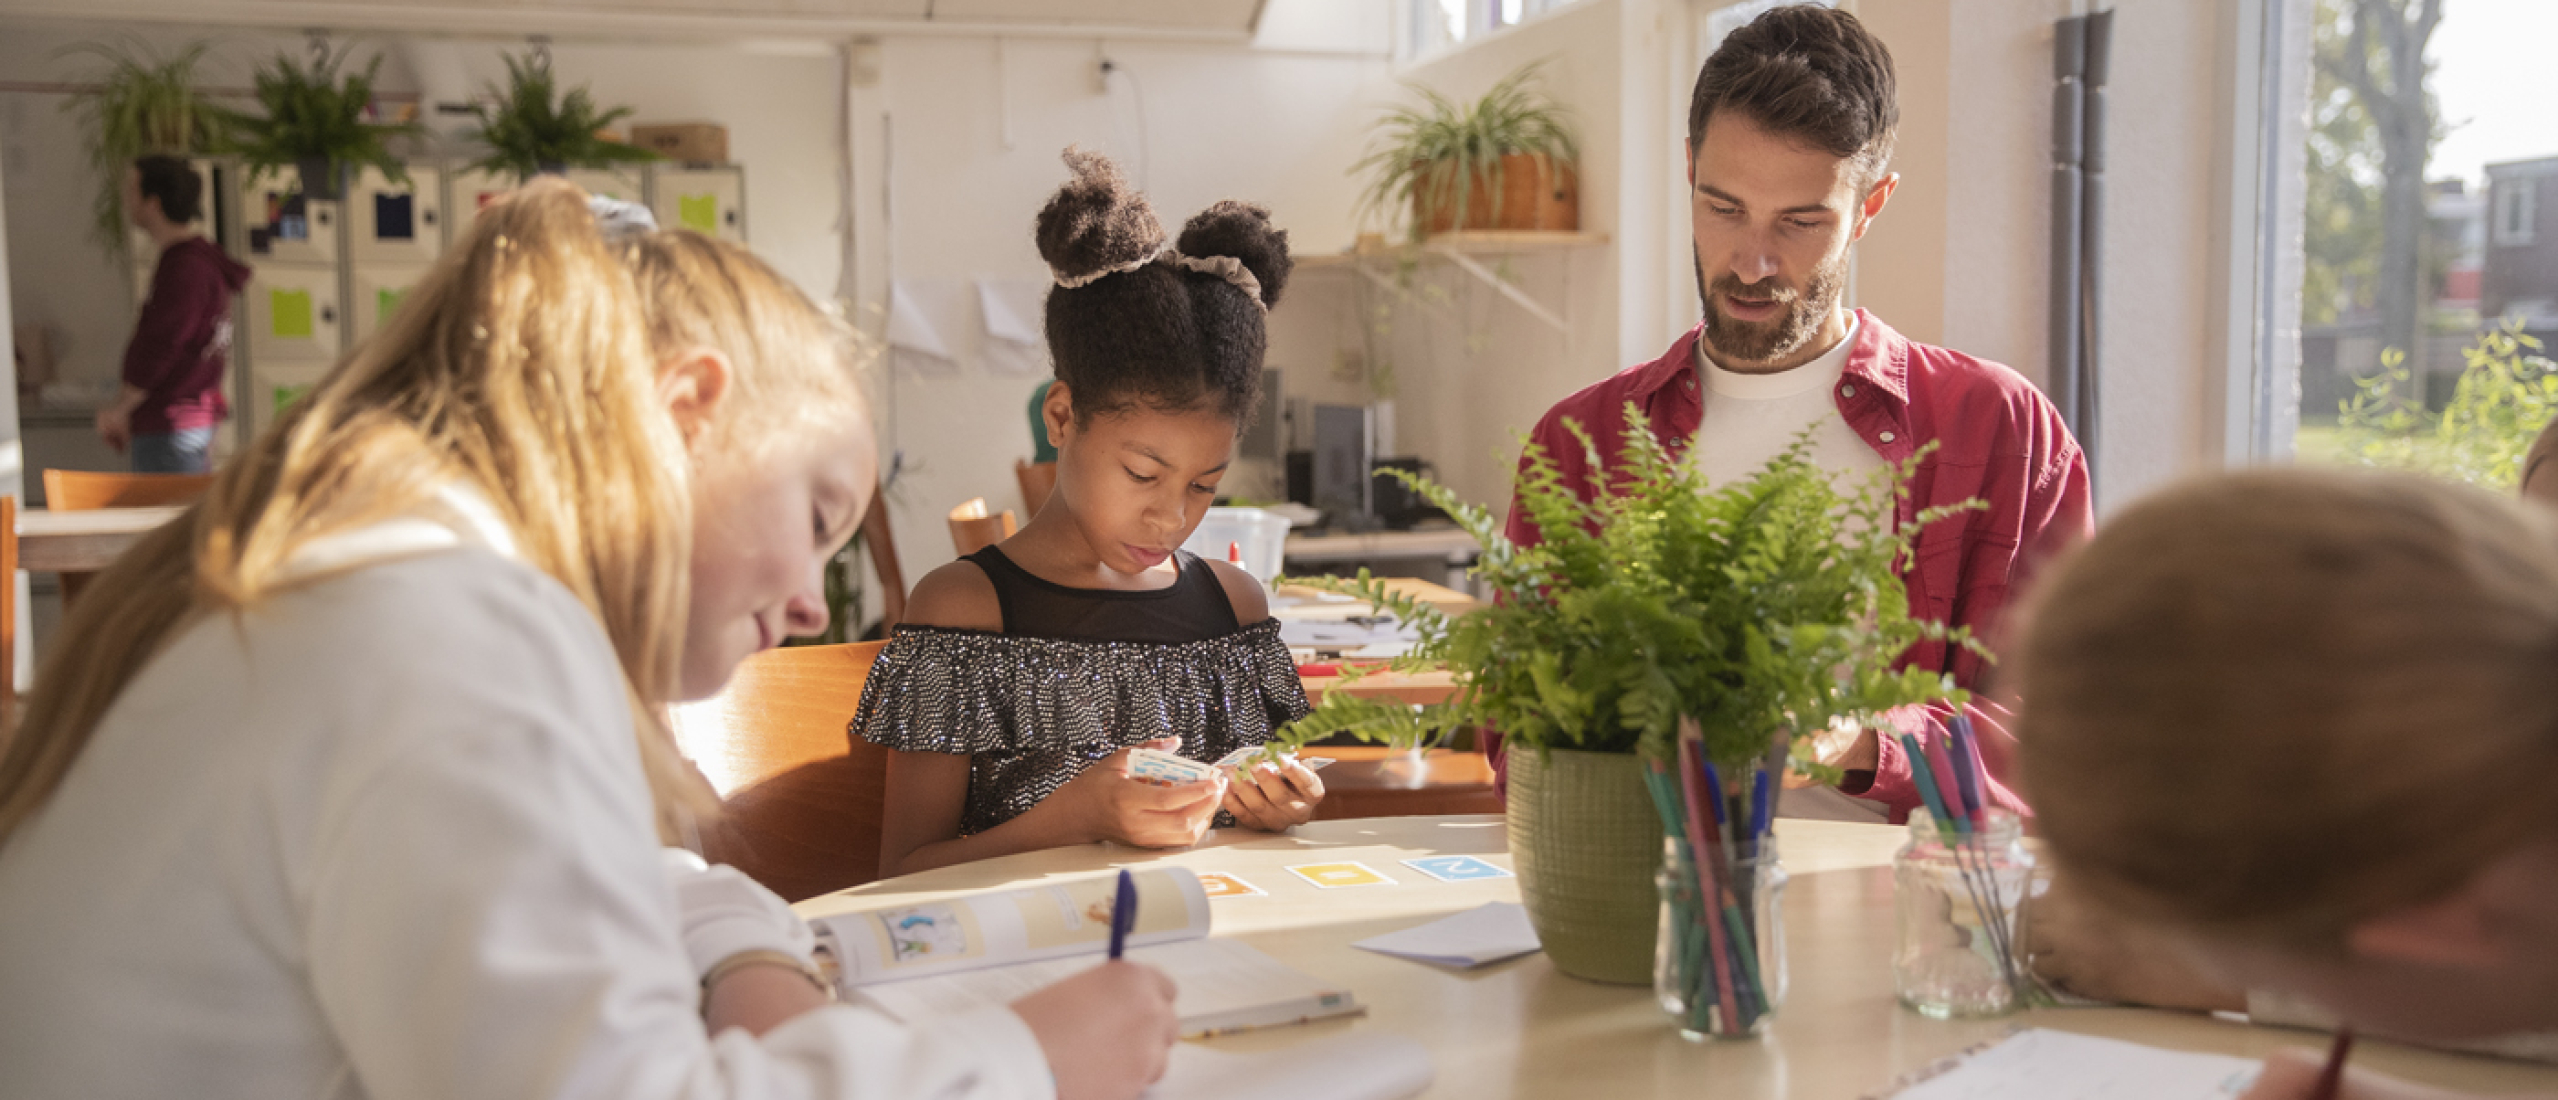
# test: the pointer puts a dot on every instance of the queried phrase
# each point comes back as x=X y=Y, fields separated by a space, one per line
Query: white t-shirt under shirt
x=1751 y=417
x=1748 y=419
x=387 y=836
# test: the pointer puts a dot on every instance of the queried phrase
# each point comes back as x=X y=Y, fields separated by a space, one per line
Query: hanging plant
x=315 y=123
x=530 y=128
x=141 y=105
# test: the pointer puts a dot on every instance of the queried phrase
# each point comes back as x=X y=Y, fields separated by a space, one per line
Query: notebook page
x=1066 y=917
x=2041 y=1064
x=1212 y=978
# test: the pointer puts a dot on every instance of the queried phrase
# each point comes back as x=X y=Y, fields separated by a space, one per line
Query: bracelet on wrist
x=764 y=957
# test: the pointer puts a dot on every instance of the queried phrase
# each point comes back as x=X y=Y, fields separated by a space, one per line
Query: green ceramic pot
x=1587 y=843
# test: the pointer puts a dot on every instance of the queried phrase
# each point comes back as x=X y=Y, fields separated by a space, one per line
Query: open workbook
x=944 y=957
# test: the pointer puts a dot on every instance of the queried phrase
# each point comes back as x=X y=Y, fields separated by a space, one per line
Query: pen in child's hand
x=2333 y=1077
x=1123 y=913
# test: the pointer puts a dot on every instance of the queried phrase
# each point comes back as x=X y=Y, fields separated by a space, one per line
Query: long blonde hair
x=2267 y=706
x=522 y=366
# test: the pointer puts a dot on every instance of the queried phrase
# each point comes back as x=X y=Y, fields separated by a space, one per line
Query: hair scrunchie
x=1228 y=268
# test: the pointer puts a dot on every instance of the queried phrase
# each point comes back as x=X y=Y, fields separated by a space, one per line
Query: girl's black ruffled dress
x=1078 y=674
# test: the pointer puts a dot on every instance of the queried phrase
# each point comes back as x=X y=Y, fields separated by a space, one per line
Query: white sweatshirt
x=388 y=836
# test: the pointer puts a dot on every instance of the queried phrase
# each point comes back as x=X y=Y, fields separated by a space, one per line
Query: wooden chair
x=1038 y=479
x=804 y=796
x=84 y=490
x=8 y=619
x=881 y=544
x=973 y=528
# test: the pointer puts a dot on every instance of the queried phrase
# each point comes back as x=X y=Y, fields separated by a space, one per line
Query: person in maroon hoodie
x=1789 y=151
x=181 y=346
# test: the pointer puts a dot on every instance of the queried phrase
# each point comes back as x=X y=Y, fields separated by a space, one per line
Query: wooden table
x=83 y=541
x=1519 y=1029
x=1416 y=687
x=1376 y=781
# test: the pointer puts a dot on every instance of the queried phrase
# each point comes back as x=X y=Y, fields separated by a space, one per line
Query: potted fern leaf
x=1758 y=611
x=1505 y=161
x=317 y=122
x=144 y=103
x=530 y=128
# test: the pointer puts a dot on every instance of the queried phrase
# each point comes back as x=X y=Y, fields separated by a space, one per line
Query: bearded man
x=1788 y=151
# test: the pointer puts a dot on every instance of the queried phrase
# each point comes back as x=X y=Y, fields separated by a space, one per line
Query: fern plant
x=530 y=128
x=1764 y=609
x=1444 y=151
x=315 y=122
x=142 y=104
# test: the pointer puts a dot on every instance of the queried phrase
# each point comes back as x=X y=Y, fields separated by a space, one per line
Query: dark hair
x=1809 y=73
x=1152 y=333
x=172 y=182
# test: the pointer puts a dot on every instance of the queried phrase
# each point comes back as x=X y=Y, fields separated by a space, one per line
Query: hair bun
x=1243 y=231
x=1096 y=223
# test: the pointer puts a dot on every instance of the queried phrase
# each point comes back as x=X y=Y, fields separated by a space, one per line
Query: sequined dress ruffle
x=1034 y=712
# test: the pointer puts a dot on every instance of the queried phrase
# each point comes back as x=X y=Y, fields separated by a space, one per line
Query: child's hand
x=1107 y=1031
x=1139 y=814
x=1273 y=797
x=2293 y=1075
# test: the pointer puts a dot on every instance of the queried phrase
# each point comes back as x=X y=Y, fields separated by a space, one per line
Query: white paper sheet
x=1487 y=933
x=1016 y=335
x=2042 y=1064
x=1362 y=1065
x=921 y=316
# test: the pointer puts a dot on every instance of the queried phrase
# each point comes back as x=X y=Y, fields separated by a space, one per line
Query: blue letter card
x=1455 y=868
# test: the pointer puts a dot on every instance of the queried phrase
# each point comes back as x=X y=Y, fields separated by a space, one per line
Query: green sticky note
x=385 y=302
x=697 y=212
x=289 y=314
x=285 y=396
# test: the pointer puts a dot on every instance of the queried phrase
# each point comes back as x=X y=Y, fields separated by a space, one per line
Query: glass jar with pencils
x=1959 y=892
x=1719 y=961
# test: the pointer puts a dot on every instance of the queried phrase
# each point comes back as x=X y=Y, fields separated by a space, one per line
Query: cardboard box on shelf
x=684 y=142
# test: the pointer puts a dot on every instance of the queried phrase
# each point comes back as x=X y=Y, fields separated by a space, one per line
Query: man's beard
x=1737 y=341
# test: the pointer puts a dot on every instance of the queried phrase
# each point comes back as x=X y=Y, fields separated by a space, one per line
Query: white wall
x=960 y=138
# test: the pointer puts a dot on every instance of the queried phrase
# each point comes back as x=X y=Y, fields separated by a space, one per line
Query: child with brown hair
x=2307 y=717
x=352 y=780
x=1026 y=673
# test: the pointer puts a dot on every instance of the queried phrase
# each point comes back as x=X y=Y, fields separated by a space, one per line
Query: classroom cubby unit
x=330 y=274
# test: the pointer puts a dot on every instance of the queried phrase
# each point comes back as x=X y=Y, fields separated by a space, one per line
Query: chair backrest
x=1038 y=479
x=87 y=490
x=972 y=529
x=8 y=619
x=803 y=795
x=82 y=490
x=881 y=544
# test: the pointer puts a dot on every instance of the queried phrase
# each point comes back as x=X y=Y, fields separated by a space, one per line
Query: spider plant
x=142 y=104
x=1443 y=152
x=315 y=123
x=531 y=128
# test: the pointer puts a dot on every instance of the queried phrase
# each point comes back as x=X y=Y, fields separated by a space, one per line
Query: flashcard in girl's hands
x=1252 y=753
x=1164 y=769
x=1456 y=868
x=1337 y=876
x=1219 y=884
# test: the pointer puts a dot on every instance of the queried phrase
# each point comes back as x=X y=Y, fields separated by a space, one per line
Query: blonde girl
x=2308 y=718
x=350 y=781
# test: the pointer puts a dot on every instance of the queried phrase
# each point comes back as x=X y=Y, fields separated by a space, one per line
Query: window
x=2514 y=210
x=1438 y=24
x=2421 y=277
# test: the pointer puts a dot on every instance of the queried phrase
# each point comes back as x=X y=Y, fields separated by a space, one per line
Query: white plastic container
x=1262 y=535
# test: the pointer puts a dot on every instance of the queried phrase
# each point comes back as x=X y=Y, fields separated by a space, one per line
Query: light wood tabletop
x=85 y=540
x=1520 y=1029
